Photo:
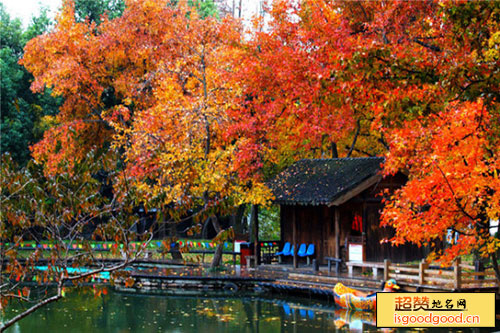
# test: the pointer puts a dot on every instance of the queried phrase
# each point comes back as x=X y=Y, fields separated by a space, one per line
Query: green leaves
x=22 y=110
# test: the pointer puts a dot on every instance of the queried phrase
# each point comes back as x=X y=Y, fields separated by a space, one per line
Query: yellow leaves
x=66 y=17
x=258 y=194
x=493 y=246
x=177 y=140
x=493 y=51
x=164 y=67
x=48 y=121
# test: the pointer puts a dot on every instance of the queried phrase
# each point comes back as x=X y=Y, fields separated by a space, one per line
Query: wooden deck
x=421 y=277
x=305 y=279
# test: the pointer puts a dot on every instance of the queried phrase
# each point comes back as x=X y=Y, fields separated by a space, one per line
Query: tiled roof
x=322 y=181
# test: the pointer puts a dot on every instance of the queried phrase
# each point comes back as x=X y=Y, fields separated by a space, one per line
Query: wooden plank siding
x=316 y=224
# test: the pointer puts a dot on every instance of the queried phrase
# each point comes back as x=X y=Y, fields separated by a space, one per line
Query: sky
x=26 y=9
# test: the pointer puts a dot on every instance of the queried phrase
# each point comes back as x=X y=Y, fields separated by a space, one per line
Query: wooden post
x=421 y=271
x=364 y=219
x=387 y=263
x=457 y=281
x=337 y=232
x=478 y=267
x=294 y=236
x=346 y=245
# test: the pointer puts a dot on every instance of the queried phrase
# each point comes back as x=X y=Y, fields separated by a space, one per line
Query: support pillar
x=337 y=232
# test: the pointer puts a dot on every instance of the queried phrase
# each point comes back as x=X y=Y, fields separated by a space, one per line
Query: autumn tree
x=453 y=160
x=178 y=157
x=381 y=78
x=26 y=115
x=451 y=149
x=302 y=90
x=147 y=88
x=199 y=115
x=61 y=215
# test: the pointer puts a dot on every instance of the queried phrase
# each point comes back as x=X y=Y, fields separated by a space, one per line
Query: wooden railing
x=459 y=276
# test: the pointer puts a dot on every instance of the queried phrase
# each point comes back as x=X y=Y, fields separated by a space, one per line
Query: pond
x=126 y=312
x=120 y=311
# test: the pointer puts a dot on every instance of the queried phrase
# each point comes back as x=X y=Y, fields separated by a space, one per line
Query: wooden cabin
x=335 y=204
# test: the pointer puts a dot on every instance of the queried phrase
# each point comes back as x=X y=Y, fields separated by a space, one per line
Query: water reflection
x=354 y=320
x=122 y=312
x=178 y=311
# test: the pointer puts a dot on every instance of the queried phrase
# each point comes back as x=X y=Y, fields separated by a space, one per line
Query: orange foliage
x=453 y=170
x=147 y=85
x=202 y=114
x=397 y=77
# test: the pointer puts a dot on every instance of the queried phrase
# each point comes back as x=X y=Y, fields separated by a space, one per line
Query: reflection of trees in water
x=119 y=311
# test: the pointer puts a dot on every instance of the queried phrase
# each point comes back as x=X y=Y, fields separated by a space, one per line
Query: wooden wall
x=315 y=224
x=310 y=225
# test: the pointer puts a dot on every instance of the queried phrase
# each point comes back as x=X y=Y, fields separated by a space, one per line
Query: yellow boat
x=349 y=298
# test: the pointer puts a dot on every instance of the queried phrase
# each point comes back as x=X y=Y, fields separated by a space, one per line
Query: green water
x=126 y=312
x=118 y=311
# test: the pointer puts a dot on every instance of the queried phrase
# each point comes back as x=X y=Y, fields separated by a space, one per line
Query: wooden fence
x=457 y=277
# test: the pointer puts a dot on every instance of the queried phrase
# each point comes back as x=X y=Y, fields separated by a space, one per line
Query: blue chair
x=303 y=313
x=286 y=308
x=310 y=250
x=309 y=253
x=288 y=311
x=286 y=249
x=287 y=253
x=310 y=314
x=284 y=252
x=302 y=250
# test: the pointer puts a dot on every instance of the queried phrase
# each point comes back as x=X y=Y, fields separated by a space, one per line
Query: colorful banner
x=190 y=244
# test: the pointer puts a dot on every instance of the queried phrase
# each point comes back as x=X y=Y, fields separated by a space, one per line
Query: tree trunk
x=251 y=229
x=254 y=231
x=218 y=250
x=335 y=153
x=237 y=220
